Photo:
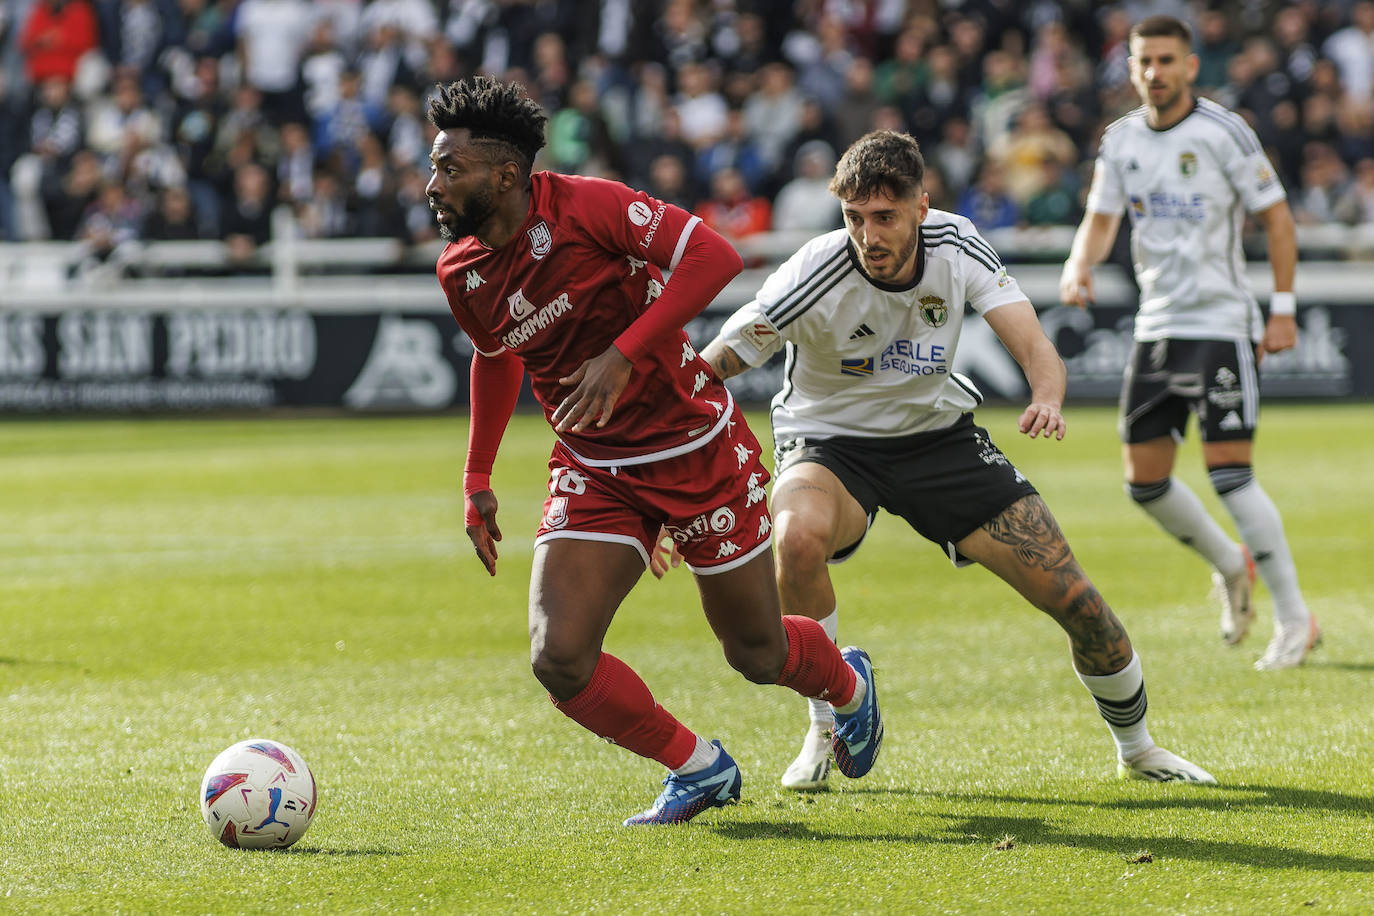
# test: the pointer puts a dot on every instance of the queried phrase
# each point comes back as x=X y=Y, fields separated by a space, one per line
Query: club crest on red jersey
x=541 y=240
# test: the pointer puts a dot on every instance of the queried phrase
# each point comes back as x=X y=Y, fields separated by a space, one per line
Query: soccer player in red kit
x=560 y=276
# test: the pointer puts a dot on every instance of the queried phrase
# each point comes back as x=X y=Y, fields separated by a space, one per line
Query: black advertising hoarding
x=122 y=360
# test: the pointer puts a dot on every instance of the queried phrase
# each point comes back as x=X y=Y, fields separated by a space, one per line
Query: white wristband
x=1283 y=304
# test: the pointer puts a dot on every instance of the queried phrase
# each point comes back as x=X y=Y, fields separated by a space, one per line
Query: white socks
x=1260 y=526
x=1120 y=698
x=703 y=755
x=1178 y=511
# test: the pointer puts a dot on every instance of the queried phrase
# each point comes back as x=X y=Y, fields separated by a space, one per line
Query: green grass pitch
x=169 y=587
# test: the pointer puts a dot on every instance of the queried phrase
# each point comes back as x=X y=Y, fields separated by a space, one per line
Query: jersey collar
x=890 y=287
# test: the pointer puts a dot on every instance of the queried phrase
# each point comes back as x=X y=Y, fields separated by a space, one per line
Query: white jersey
x=866 y=358
x=1184 y=189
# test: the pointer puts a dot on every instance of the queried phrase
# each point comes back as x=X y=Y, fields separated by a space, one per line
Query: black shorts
x=946 y=484
x=1165 y=379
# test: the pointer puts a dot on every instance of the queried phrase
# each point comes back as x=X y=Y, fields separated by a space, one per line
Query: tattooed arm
x=723 y=361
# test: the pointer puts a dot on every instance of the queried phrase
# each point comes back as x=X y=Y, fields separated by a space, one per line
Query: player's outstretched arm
x=1017 y=326
x=1281 y=331
x=1091 y=245
x=722 y=360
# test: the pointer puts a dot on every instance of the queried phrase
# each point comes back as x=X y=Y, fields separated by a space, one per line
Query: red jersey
x=583 y=266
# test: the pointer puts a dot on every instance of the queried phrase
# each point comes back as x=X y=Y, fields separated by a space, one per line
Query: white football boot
x=1237 y=601
x=808 y=773
x=1290 y=646
x=1159 y=765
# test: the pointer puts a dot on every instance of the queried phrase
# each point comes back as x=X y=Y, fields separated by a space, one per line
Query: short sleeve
x=751 y=335
x=1106 y=194
x=1250 y=172
x=630 y=222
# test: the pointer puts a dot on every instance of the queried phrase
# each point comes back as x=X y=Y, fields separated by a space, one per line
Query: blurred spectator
x=1355 y=123
x=938 y=190
x=174 y=219
x=987 y=202
x=956 y=154
x=416 y=223
x=407 y=141
x=1283 y=140
x=272 y=35
x=372 y=205
x=1292 y=34
x=55 y=132
x=823 y=63
x=734 y=149
x=55 y=36
x=732 y=210
x=667 y=141
x=579 y=140
x=805 y=202
x=382 y=64
x=1055 y=202
x=1324 y=185
x=998 y=99
x=773 y=114
x=1023 y=152
x=133 y=34
x=122 y=120
x=856 y=108
x=700 y=107
x=1357 y=204
x=324 y=214
x=898 y=78
x=339 y=131
x=681 y=35
x=110 y=221
x=295 y=164
x=1050 y=53
x=941 y=97
x=815 y=125
x=1215 y=47
x=68 y=197
x=1352 y=49
x=11 y=147
x=671 y=183
x=322 y=65
x=247 y=216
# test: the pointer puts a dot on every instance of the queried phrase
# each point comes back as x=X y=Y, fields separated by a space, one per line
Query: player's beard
x=897 y=260
x=477 y=209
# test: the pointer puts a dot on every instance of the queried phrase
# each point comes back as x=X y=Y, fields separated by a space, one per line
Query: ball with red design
x=258 y=794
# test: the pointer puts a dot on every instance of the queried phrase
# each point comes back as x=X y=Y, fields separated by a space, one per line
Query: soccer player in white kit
x=871 y=415
x=1186 y=170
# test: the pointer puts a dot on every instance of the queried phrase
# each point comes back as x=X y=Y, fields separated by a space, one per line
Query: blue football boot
x=859 y=734
x=684 y=797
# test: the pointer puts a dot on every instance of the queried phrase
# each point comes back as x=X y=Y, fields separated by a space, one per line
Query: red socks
x=814 y=666
x=617 y=706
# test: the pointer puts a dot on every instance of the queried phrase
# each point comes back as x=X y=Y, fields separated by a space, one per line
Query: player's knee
x=1144 y=493
x=1228 y=478
x=760 y=663
x=802 y=548
x=563 y=673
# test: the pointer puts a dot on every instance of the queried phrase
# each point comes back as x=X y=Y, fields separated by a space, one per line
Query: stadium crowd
x=194 y=119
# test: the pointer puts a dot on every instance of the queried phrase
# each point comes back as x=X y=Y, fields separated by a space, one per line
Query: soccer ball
x=258 y=794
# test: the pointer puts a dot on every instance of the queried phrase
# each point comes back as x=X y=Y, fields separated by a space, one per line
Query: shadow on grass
x=11 y=661
x=983 y=831
x=1211 y=798
x=1359 y=667
x=341 y=853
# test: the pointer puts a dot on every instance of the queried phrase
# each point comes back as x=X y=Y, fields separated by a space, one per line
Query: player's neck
x=1165 y=118
x=510 y=215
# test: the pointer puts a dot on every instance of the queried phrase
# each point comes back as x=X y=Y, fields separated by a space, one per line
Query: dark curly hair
x=497 y=114
x=882 y=160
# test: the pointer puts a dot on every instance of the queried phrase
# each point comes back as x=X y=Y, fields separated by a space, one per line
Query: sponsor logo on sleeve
x=640 y=214
x=761 y=334
x=653 y=226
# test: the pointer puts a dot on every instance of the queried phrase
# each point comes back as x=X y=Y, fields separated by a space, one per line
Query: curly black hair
x=883 y=160
x=495 y=112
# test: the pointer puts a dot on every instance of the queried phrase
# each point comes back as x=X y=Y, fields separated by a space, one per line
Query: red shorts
x=711 y=499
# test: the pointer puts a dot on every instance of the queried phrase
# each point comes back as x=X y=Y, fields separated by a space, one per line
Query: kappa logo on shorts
x=1226 y=378
x=1231 y=421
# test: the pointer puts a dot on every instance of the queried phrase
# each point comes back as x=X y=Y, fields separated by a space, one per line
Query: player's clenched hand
x=664 y=555
x=599 y=381
x=1041 y=419
x=1280 y=333
x=484 y=533
x=1076 y=284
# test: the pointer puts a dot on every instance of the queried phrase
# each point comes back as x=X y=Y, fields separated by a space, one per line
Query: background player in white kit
x=1184 y=167
x=871 y=416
